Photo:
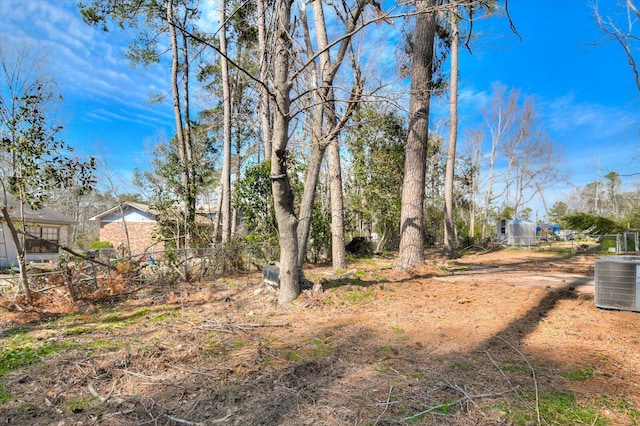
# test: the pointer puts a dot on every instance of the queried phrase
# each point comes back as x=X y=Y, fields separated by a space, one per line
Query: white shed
x=516 y=232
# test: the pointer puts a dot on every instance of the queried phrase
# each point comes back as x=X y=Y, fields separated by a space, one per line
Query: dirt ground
x=508 y=337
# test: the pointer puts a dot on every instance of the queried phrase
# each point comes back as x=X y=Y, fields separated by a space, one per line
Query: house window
x=34 y=245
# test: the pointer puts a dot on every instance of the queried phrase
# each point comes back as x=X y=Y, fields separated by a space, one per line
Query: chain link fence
x=104 y=272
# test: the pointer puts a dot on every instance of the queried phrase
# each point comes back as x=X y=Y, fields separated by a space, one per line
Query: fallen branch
x=105 y=399
x=139 y=375
x=189 y=422
x=42 y=290
x=232 y=327
x=452 y=386
x=120 y=413
x=386 y=407
x=95 y=393
x=500 y=370
x=515 y=391
x=533 y=374
x=221 y=419
x=466 y=397
x=435 y=407
x=70 y=251
x=178 y=420
x=135 y=290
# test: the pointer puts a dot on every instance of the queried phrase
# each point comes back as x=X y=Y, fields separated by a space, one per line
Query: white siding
x=130 y=216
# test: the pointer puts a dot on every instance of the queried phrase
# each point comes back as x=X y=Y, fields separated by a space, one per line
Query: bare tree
x=113 y=185
x=625 y=35
x=499 y=120
x=533 y=163
x=474 y=150
x=511 y=147
x=283 y=79
x=326 y=125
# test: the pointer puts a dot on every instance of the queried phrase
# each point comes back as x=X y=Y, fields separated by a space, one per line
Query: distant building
x=141 y=224
x=516 y=232
x=44 y=223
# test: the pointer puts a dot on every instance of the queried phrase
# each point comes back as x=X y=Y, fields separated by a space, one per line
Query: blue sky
x=105 y=109
x=583 y=89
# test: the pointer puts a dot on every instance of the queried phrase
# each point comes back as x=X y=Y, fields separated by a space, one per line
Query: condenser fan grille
x=617 y=283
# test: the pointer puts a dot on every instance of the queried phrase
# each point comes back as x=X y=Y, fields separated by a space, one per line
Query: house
x=44 y=223
x=141 y=224
x=516 y=232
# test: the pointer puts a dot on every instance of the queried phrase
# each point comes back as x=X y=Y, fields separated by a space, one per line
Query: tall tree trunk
x=281 y=187
x=265 y=109
x=21 y=252
x=325 y=133
x=226 y=146
x=472 y=211
x=338 y=251
x=412 y=205
x=216 y=223
x=489 y=196
x=449 y=220
x=475 y=154
x=318 y=149
x=308 y=195
x=125 y=229
x=190 y=202
x=177 y=110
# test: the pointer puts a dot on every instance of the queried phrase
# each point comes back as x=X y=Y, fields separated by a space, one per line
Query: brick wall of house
x=140 y=235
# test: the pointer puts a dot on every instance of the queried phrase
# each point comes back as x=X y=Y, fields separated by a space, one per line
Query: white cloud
x=85 y=59
x=210 y=18
x=565 y=113
x=468 y=97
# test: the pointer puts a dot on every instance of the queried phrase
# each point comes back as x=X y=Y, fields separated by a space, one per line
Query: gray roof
x=44 y=215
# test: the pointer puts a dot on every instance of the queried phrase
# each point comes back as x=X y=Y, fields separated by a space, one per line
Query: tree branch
x=611 y=30
x=68 y=250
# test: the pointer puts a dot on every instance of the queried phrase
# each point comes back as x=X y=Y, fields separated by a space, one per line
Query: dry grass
x=377 y=347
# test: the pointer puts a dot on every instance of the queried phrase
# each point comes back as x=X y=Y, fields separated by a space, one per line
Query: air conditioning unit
x=617 y=283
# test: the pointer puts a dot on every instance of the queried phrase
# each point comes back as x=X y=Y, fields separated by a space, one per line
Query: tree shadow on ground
x=334 y=370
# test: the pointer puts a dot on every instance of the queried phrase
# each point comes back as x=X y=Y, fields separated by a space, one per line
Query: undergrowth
x=556 y=407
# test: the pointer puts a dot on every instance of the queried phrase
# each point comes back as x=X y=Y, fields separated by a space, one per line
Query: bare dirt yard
x=507 y=337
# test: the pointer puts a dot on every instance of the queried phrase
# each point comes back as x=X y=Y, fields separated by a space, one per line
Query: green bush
x=100 y=245
x=607 y=243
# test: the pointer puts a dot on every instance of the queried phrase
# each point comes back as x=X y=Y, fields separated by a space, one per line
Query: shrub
x=95 y=245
